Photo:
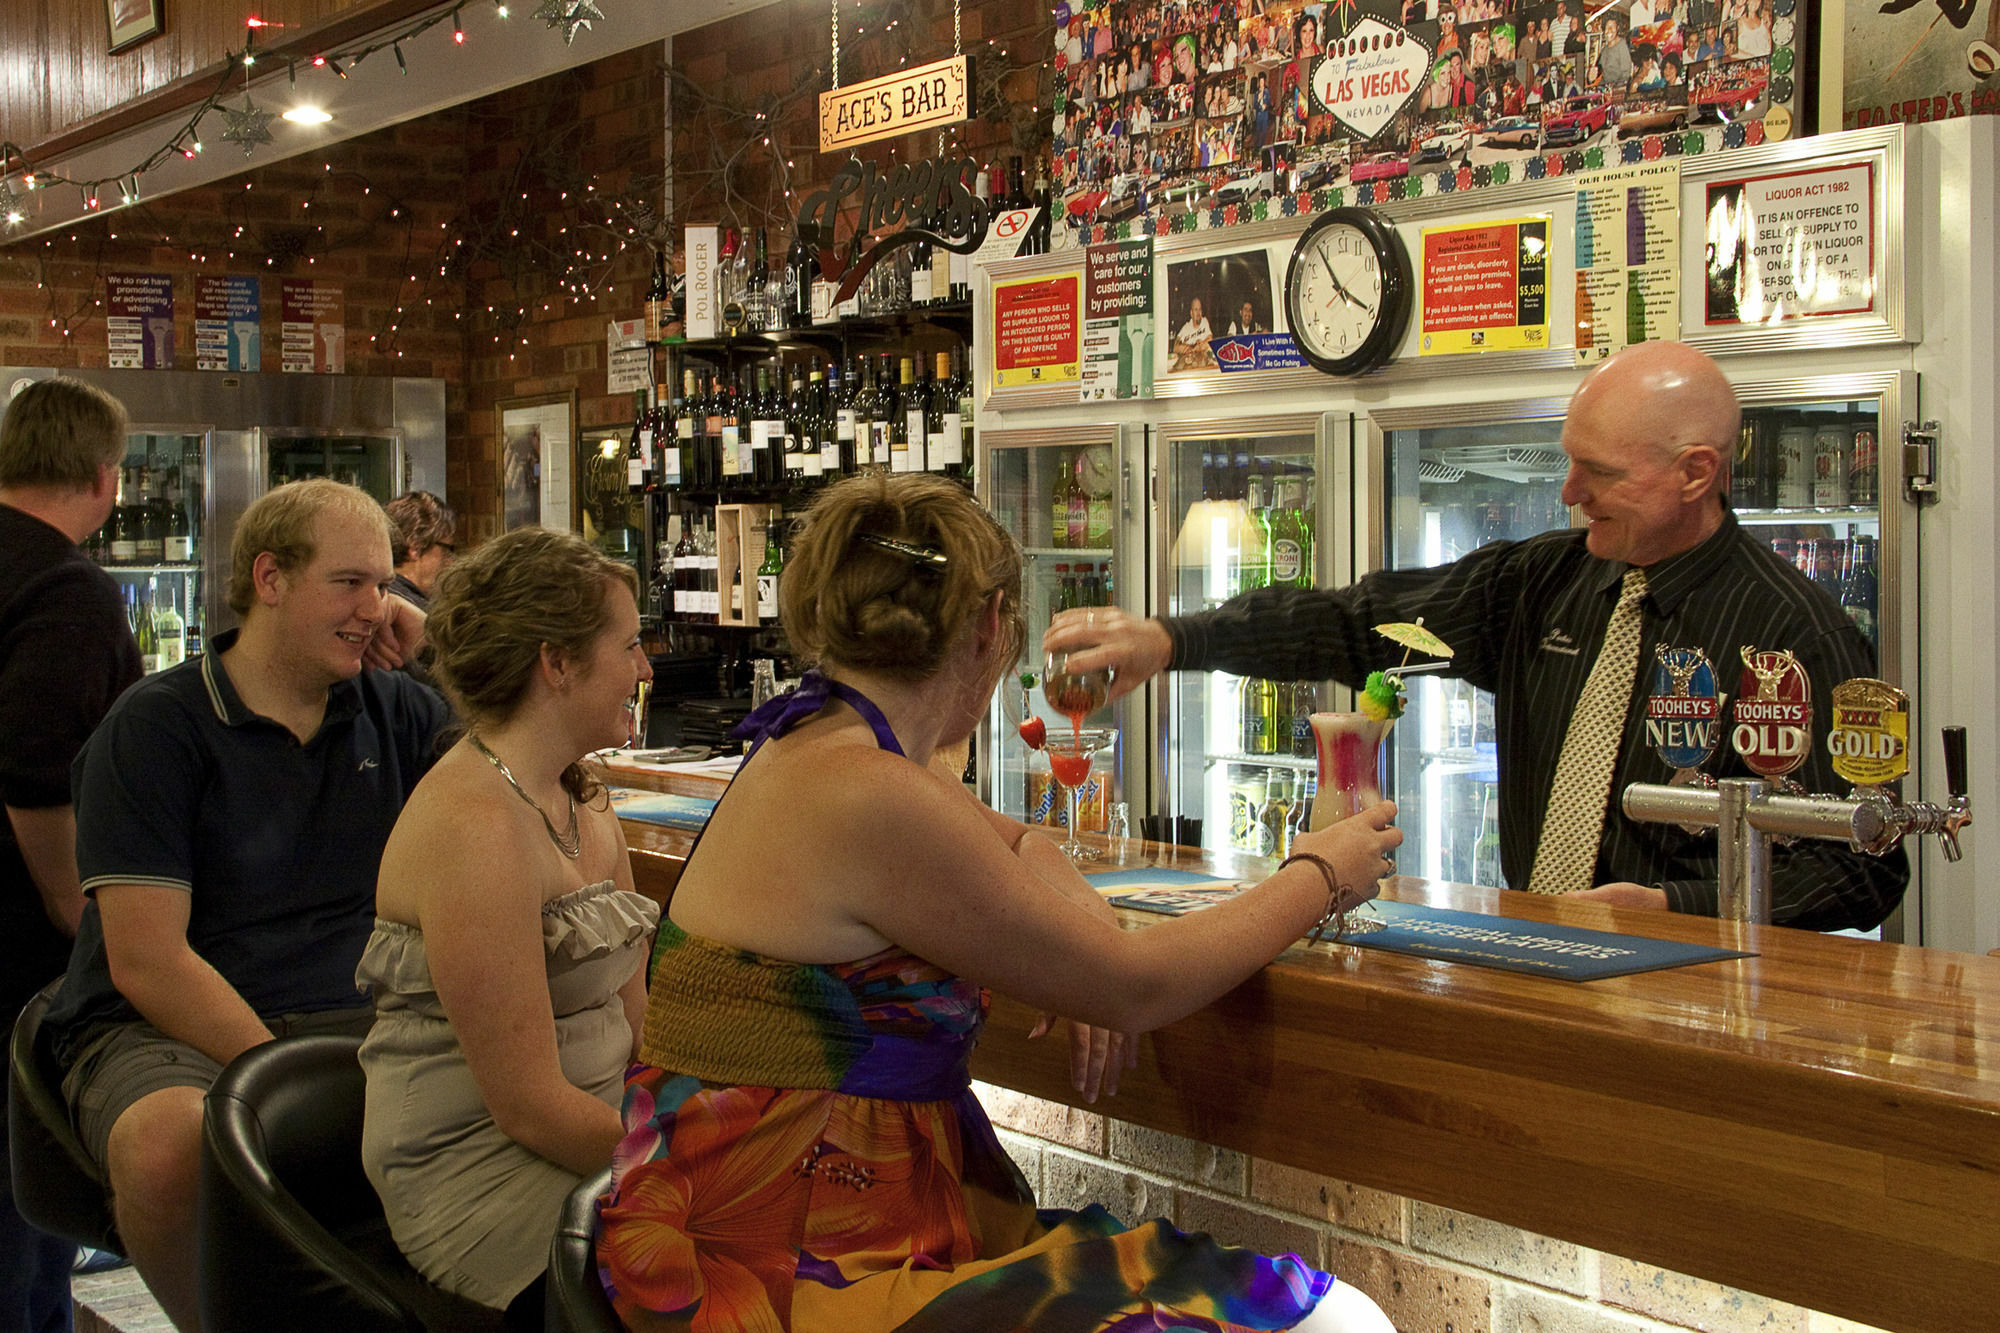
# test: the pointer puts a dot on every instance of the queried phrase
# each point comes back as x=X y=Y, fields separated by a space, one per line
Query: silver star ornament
x=246 y=126
x=569 y=15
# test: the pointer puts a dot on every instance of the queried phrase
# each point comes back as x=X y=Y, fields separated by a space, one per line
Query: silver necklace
x=570 y=845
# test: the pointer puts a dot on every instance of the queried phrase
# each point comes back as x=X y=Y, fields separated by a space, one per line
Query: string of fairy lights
x=561 y=239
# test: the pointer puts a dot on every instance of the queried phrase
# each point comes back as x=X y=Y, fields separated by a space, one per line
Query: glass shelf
x=1309 y=765
x=1840 y=514
x=1068 y=552
x=151 y=569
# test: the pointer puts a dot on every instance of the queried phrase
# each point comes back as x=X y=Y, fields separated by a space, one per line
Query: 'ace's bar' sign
x=939 y=93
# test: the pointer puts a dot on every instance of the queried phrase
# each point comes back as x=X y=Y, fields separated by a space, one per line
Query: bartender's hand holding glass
x=1131 y=648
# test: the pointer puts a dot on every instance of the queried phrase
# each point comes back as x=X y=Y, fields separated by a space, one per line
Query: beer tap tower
x=1869 y=746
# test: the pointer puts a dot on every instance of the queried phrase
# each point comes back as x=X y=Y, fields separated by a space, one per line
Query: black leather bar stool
x=56 y=1185
x=292 y=1233
x=576 y=1302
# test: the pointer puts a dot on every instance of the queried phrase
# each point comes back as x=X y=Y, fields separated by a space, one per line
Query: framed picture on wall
x=133 y=21
x=538 y=461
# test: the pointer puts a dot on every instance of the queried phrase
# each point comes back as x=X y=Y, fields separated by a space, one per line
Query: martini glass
x=1070 y=754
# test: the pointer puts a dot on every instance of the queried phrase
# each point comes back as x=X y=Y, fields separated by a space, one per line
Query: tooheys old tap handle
x=1954 y=762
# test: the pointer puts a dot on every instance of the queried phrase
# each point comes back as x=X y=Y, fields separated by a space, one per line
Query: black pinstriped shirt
x=1526 y=620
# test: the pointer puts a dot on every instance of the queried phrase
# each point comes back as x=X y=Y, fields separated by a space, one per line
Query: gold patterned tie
x=1574 y=823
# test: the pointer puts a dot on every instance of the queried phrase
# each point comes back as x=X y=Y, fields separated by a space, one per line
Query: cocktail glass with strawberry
x=1069 y=763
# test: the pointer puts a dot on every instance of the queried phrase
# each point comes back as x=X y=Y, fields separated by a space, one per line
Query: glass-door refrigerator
x=370 y=459
x=155 y=543
x=1239 y=507
x=1075 y=499
x=1810 y=476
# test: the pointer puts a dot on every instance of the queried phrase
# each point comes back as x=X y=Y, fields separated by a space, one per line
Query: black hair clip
x=922 y=555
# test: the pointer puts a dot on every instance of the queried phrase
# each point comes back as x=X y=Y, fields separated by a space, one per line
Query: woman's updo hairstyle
x=495 y=609
x=849 y=602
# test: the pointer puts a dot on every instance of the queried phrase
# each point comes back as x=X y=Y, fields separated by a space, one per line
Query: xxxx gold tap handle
x=1954 y=762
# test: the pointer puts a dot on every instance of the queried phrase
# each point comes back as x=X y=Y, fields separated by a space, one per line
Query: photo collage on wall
x=1165 y=105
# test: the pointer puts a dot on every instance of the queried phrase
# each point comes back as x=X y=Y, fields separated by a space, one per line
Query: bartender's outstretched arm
x=1104 y=638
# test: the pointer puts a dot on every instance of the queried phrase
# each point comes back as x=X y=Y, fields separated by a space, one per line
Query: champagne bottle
x=659 y=300
x=731 y=271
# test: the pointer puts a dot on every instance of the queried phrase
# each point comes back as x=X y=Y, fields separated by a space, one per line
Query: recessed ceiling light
x=308 y=115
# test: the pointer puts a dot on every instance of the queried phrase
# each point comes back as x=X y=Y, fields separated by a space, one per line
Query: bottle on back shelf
x=823 y=287
x=757 y=294
x=1253 y=563
x=767 y=572
x=912 y=395
x=800 y=266
x=840 y=390
x=180 y=545
x=944 y=439
x=851 y=307
x=967 y=424
x=659 y=299
x=887 y=412
x=639 y=447
x=1065 y=475
x=1857 y=588
x=801 y=433
x=1079 y=506
x=1097 y=517
x=767 y=432
x=923 y=291
x=1261 y=717
x=732 y=270
x=140 y=616
x=169 y=630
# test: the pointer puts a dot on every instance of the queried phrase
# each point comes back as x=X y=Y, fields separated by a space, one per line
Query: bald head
x=1650 y=436
x=1671 y=395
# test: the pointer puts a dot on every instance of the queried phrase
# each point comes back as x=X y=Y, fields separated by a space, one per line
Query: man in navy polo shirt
x=231 y=813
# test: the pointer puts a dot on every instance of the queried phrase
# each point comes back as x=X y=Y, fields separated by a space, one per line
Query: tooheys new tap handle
x=1954 y=762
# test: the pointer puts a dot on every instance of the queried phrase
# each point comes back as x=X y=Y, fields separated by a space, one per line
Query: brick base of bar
x=1431 y=1269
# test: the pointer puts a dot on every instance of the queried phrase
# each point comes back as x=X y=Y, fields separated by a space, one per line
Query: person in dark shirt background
x=65 y=654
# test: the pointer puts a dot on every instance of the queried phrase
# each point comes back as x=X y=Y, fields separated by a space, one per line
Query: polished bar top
x=1819 y=1123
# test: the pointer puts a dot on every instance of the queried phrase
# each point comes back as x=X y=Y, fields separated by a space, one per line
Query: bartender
x=1558 y=627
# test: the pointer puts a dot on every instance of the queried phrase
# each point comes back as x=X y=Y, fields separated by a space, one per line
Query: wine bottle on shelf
x=683 y=566
x=915 y=396
x=851 y=307
x=967 y=425
x=882 y=414
x=180 y=529
x=673 y=436
x=141 y=616
x=854 y=421
x=152 y=522
x=923 y=290
x=944 y=443
x=799 y=268
x=1857 y=586
x=801 y=431
x=768 y=571
x=731 y=270
x=757 y=293
x=124 y=524
x=765 y=426
x=724 y=425
x=639 y=447
x=659 y=300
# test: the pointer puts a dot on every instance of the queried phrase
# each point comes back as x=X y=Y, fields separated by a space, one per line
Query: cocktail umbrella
x=1414 y=638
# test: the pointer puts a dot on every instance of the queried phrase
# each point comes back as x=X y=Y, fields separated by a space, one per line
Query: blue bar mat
x=652 y=807
x=1570 y=953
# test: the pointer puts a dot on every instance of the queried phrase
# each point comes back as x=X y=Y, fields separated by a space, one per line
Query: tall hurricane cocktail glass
x=1350 y=764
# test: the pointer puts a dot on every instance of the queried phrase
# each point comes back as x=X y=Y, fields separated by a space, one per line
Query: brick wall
x=1431 y=1270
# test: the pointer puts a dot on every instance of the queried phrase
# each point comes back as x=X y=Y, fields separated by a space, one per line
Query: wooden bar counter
x=1819 y=1123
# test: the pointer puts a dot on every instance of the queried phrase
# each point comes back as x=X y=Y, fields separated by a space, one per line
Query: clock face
x=1337 y=296
x=1347 y=292
x=1093 y=469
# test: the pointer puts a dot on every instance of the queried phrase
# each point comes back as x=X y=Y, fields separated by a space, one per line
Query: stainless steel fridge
x=208 y=443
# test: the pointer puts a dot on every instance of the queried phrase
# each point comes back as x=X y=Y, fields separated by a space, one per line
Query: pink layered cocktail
x=1350 y=764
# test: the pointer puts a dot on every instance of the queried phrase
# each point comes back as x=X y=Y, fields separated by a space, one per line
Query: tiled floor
x=117 y=1302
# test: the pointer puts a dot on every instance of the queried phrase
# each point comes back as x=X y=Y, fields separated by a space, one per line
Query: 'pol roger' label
x=1773 y=714
x=1684 y=712
x=1870 y=739
x=1369 y=75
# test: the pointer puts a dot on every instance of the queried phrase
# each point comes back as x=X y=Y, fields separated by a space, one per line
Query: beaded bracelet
x=1334 y=911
